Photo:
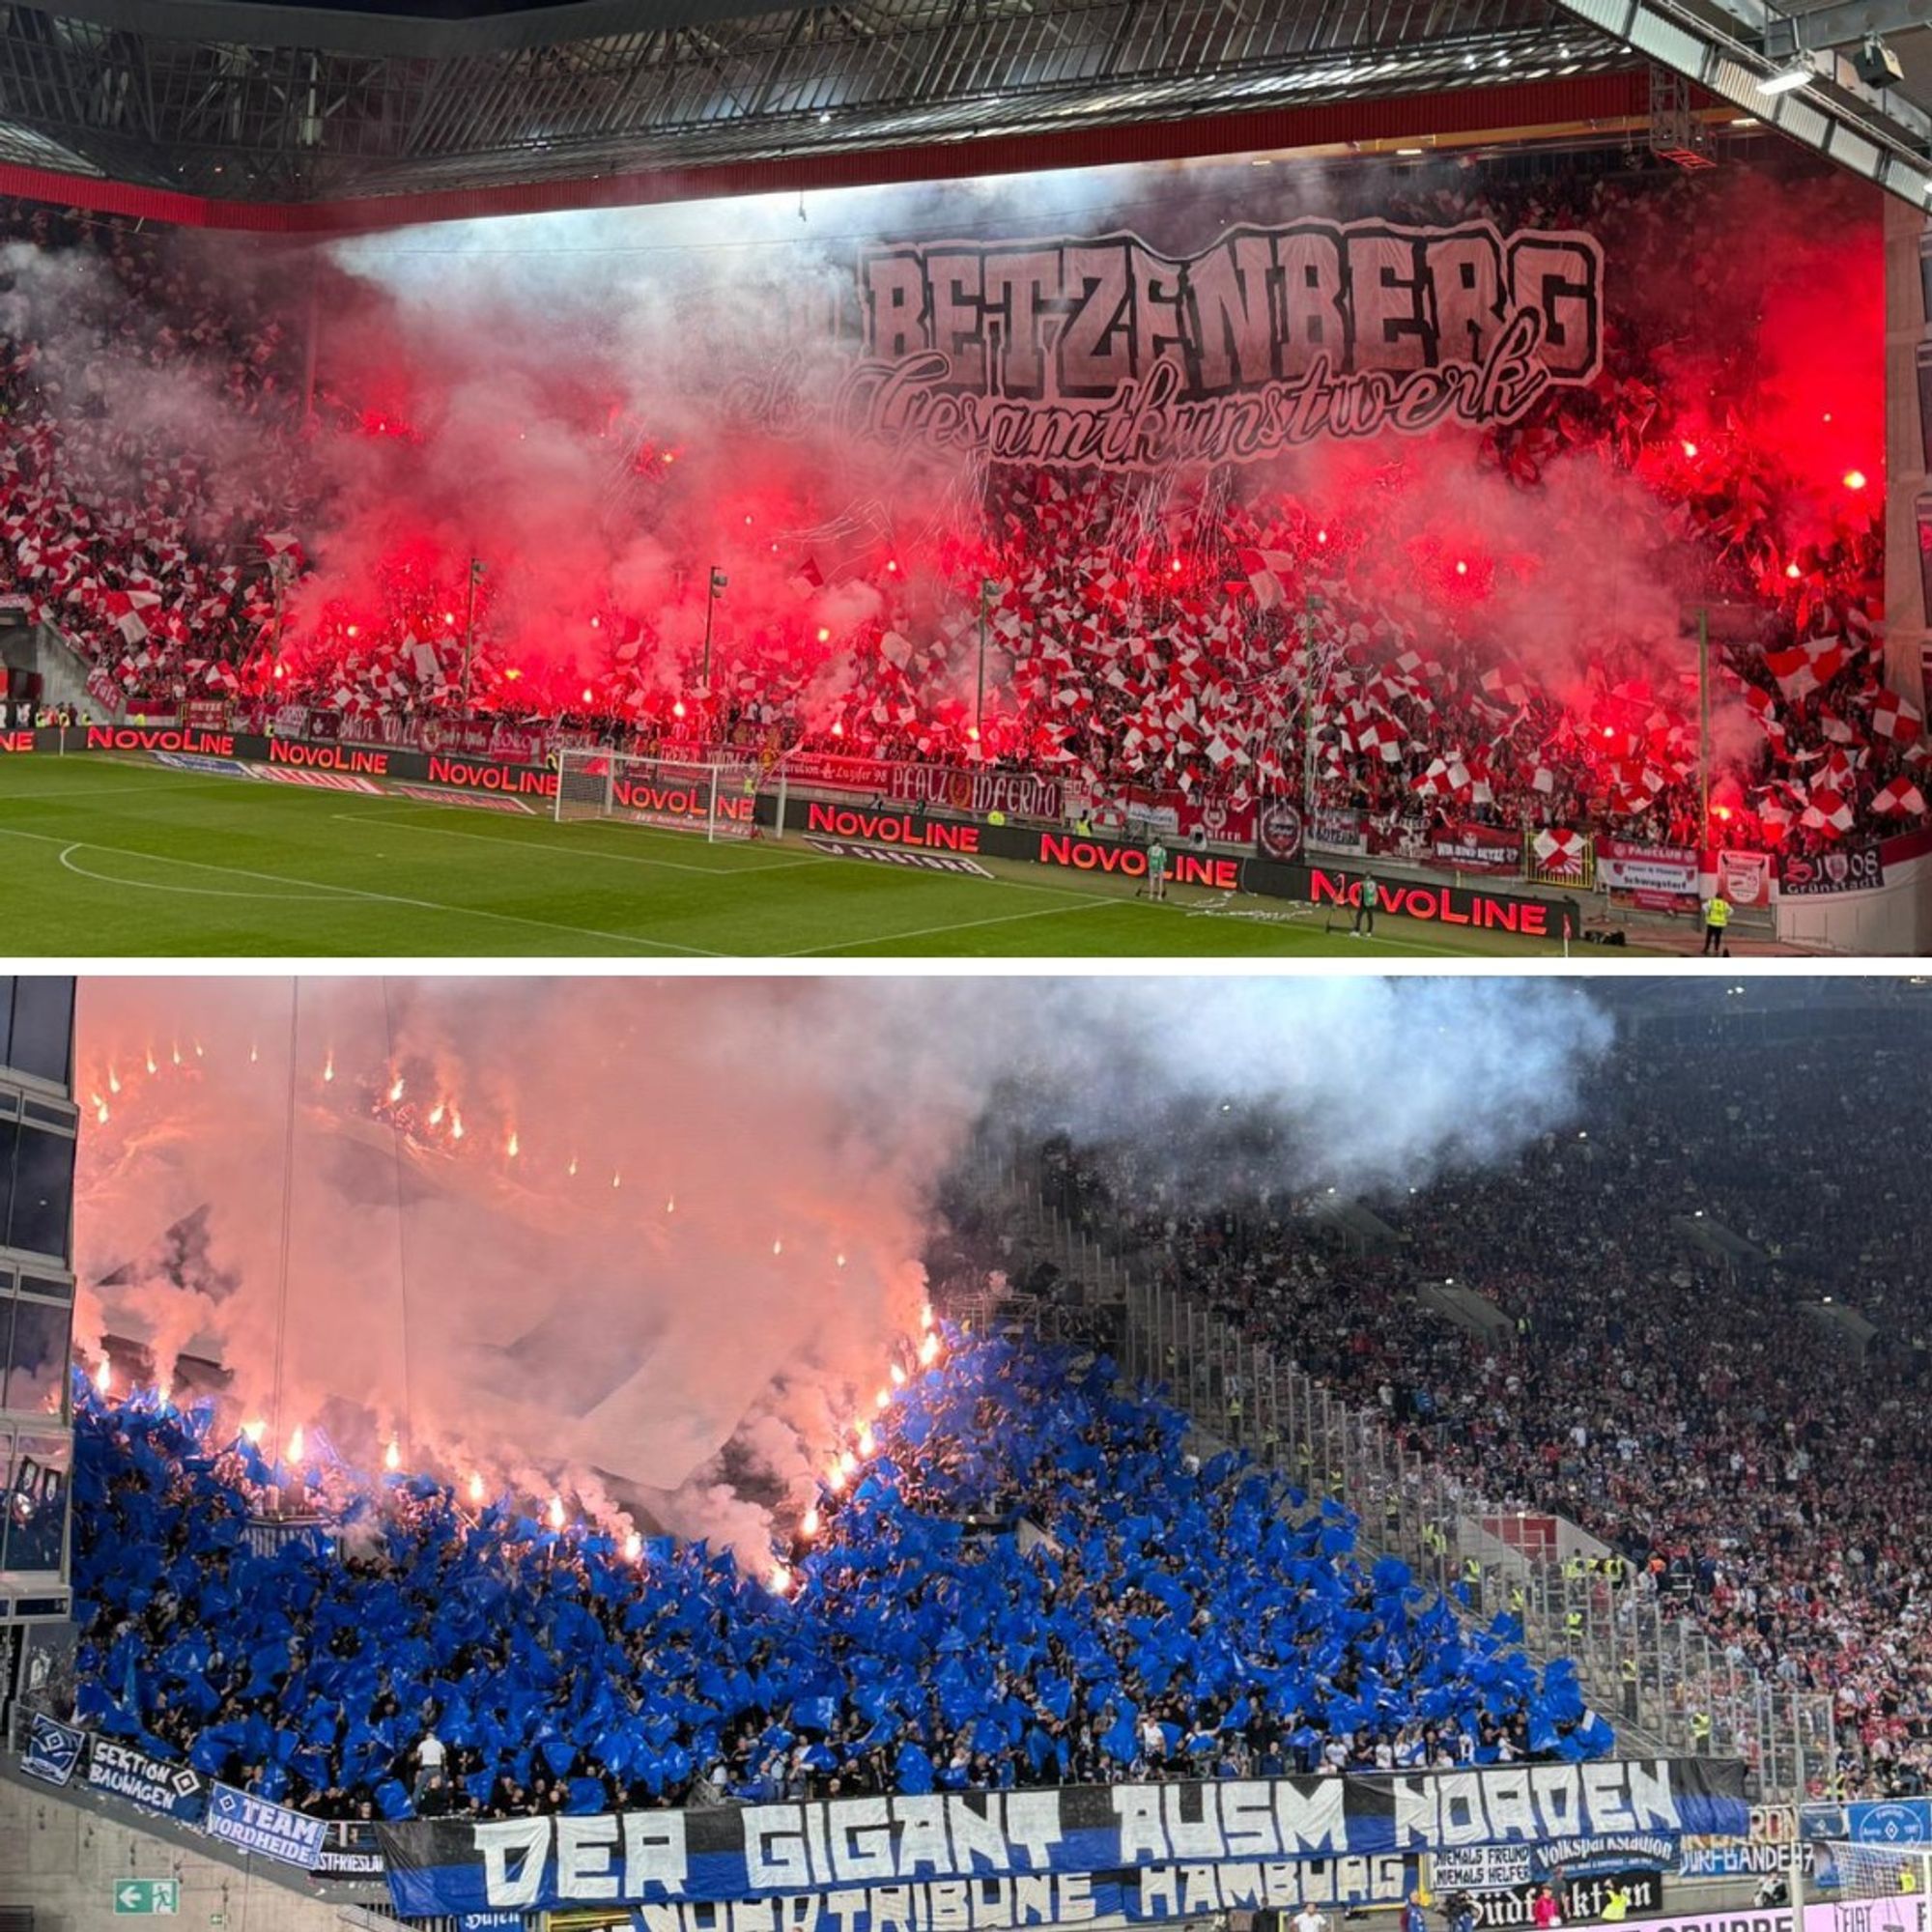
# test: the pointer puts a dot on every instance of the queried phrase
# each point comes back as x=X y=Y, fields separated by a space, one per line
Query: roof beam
x=1883 y=137
x=1841 y=26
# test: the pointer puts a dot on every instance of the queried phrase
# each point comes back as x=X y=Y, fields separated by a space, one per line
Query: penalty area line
x=1089 y=904
x=346 y=892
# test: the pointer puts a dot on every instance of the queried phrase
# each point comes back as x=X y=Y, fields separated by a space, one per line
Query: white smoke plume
x=682 y=1227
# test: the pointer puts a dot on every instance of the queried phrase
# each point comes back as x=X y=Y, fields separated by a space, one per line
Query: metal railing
x=1642 y=1660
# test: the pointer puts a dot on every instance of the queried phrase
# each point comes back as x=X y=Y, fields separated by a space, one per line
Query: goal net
x=718 y=800
x=1871 y=1889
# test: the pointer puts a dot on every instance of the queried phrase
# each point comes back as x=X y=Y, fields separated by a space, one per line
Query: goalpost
x=1878 y=1888
x=718 y=800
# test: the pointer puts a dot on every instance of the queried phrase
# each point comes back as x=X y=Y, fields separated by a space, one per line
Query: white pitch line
x=1086 y=904
x=305 y=896
x=186 y=783
x=571 y=851
x=359 y=893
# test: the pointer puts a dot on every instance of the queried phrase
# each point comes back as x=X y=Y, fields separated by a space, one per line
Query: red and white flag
x=1893 y=718
x=1507 y=682
x=1264 y=569
x=1899 y=799
x=1826 y=811
x=124 y=607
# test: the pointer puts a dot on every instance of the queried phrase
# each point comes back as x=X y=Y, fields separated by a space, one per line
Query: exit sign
x=142 y=1895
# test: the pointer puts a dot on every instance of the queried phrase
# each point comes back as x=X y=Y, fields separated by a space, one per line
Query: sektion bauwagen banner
x=642 y=1857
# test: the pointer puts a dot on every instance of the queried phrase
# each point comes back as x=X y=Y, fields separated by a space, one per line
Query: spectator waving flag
x=1895 y=719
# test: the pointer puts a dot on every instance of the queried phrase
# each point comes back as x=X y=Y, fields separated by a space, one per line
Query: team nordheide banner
x=440 y=1868
x=271 y=1830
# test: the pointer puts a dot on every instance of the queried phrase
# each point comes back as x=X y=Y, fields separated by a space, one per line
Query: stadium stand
x=1164 y=666
x=1144 y=1613
x=1758 y=1471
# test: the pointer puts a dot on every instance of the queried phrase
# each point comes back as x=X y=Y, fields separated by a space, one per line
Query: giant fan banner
x=651 y=1858
x=1103 y=350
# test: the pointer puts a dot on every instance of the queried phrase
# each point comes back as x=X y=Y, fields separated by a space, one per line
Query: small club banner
x=122 y=1771
x=1627 y=866
x=271 y=1831
x=1845 y=868
x=53 y=1749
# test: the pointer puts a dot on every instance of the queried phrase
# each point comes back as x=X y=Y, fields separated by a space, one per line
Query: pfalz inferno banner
x=654 y=1858
x=1104 y=351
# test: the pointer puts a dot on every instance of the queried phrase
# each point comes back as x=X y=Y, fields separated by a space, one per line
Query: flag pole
x=979 y=701
x=1704 y=724
x=717 y=582
x=469 y=628
x=1308 y=609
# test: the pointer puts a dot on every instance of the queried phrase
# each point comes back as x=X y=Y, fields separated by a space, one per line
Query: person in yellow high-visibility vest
x=1716 y=917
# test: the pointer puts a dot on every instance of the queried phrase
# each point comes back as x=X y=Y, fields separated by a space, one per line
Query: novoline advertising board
x=893 y=828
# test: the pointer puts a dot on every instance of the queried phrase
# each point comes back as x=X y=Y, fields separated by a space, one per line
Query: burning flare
x=296 y=1445
x=556 y=1512
x=102 y=1376
x=392 y=1456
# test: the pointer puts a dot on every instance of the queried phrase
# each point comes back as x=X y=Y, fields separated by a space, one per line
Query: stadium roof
x=245 y=101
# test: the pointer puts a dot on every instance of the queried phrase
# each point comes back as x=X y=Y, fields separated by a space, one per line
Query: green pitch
x=100 y=857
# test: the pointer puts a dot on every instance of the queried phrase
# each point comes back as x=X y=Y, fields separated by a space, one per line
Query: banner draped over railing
x=63 y=1755
x=644 y=1858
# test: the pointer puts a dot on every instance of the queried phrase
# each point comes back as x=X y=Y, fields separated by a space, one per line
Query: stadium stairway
x=1648 y=1673
x=64 y=1852
x=64 y=674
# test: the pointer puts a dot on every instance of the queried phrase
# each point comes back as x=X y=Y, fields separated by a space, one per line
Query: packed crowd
x=1701 y=1416
x=1154 y=1618
x=1149 y=636
x=112 y=527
